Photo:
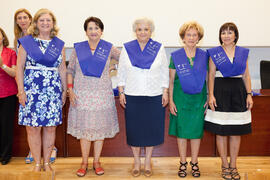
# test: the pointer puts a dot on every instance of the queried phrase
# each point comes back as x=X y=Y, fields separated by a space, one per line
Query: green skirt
x=189 y=121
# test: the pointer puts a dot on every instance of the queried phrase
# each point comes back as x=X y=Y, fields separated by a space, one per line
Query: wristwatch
x=4 y=66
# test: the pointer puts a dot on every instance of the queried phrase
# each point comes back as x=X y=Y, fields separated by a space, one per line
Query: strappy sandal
x=226 y=173
x=47 y=164
x=98 y=169
x=195 y=169
x=82 y=171
x=29 y=159
x=39 y=166
x=182 y=170
x=234 y=173
x=53 y=158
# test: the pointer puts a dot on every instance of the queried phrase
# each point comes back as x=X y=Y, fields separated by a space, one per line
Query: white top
x=143 y=82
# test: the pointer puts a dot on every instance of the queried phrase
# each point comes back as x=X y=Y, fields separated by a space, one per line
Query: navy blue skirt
x=145 y=118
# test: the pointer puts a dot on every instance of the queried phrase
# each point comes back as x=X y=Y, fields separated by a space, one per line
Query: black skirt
x=231 y=116
x=145 y=118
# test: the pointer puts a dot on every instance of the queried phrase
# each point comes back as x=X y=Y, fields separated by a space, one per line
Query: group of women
x=147 y=82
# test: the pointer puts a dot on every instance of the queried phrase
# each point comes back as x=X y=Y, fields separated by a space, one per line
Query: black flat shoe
x=5 y=161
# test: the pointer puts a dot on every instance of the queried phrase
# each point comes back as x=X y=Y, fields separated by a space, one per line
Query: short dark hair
x=5 y=38
x=96 y=20
x=229 y=26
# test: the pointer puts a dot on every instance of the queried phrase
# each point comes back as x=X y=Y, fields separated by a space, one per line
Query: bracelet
x=4 y=66
x=249 y=93
x=70 y=85
x=121 y=92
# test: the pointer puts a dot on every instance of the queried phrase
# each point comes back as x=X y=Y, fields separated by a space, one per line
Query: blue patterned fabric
x=44 y=93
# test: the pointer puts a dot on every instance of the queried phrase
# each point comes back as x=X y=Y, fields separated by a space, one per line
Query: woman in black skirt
x=143 y=77
x=230 y=98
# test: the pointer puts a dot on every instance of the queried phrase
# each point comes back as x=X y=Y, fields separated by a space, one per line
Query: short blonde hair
x=191 y=25
x=33 y=30
x=141 y=21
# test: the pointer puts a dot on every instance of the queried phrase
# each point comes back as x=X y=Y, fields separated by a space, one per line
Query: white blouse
x=143 y=82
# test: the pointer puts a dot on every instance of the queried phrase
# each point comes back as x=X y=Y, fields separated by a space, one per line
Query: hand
x=64 y=96
x=72 y=97
x=212 y=102
x=249 y=102
x=173 y=109
x=122 y=99
x=22 y=98
x=165 y=99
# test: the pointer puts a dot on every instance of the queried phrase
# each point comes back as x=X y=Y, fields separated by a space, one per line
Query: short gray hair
x=143 y=20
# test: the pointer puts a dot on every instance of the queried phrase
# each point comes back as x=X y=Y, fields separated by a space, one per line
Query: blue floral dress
x=44 y=92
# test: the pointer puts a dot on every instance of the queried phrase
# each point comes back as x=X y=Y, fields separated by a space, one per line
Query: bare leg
x=195 y=147
x=97 y=149
x=137 y=160
x=234 y=149
x=182 y=148
x=85 y=149
x=34 y=141
x=222 y=149
x=48 y=144
x=148 y=155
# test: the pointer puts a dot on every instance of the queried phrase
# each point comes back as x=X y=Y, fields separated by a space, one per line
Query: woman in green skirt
x=188 y=95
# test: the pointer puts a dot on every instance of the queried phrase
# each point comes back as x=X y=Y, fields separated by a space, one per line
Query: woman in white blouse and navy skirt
x=143 y=77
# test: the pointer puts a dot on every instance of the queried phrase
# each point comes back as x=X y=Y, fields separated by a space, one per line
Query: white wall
x=251 y=17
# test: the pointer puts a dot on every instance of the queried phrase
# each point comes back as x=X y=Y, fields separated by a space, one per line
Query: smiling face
x=93 y=31
x=143 y=32
x=191 y=37
x=23 y=21
x=227 y=37
x=45 y=23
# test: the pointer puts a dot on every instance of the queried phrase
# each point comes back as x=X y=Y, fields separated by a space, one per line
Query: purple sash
x=224 y=64
x=51 y=54
x=191 y=79
x=93 y=65
x=142 y=59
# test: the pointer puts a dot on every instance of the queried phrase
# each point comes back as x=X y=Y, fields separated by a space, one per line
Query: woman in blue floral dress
x=42 y=85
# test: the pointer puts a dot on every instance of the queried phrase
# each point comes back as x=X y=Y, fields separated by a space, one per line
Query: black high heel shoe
x=195 y=169
x=234 y=173
x=226 y=173
x=182 y=170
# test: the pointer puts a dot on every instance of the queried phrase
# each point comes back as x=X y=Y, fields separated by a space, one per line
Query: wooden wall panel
x=258 y=143
x=255 y=144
